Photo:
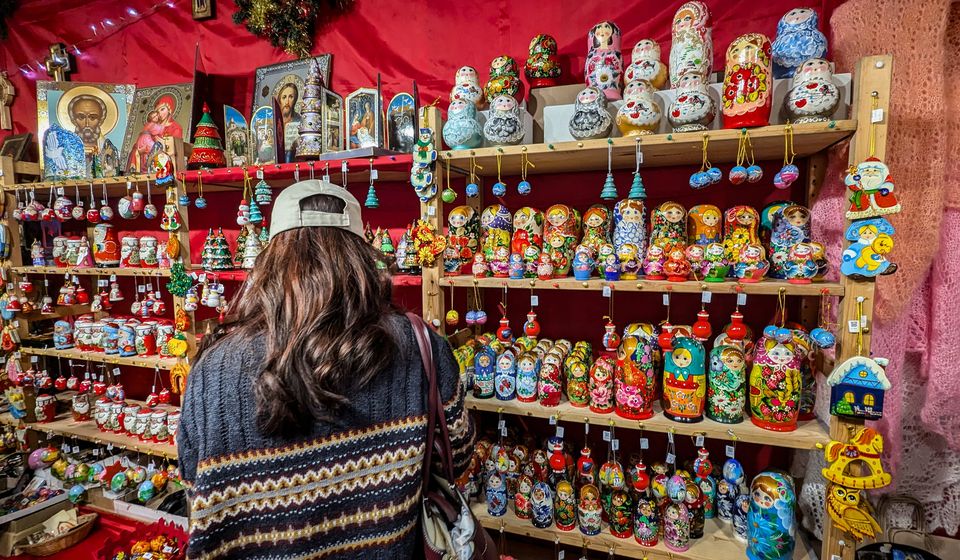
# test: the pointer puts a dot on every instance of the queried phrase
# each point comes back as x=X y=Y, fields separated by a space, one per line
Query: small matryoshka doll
x=748 y=82
x=521 y=500
x=504 y=126
x=798 y=39
x=467 y=87
x=752 y=264
x=789 y=225
x=801 y=266
x=506 y=376
x=714 y=267
x=814 y=96
x=590 y=117
x=645 y=64
x=636 y=378
x=496 y=229
x=590 y=513
x=676 y=266
x=646 y=517
x=692 y=109
x=604 y=65
x=741 y=509
x=684 y=380
x=669 y=226
x=527 y=229
x=504 y=79
x=531 y=258
x=462 y=131
x=496 y=494
x=565 y=506
x=629 y=224
x=694 y=254
x=775 y=382
x=771 y=521
x=676 y=516
x=583 y=262
x=640 y=114
x=550 y=385
x=702 y=468
x=601 y=385
x=608 y=265
x=740 y=225
x=705 y=224
x=578 y=381
x=621 y=514
x=463 y=232
x=542 y=68
x=541 y=505
x=480 y=268
x=484 y=373
x=726 y=386
x=596 y=226
x=561 y=231
x=629 y=259
x=653 y=263
x=691 y=47
x=545 y=266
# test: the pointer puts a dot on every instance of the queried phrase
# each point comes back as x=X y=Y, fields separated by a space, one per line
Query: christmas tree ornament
x=523 y=187
x=637 y=191
x=106 y=213
x=263 y=193
x=871 y=239
x=372 y=201
x=472 y=189
x=207 y=149
x=609 y=191
x=309 y=142
x=149 y=210
x=256 y=217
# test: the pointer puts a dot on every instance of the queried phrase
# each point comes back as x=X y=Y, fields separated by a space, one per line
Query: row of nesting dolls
x=648 y=504
x=704 y=243
x=781 y=384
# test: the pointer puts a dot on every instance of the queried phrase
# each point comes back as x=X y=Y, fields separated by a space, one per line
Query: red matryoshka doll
x=705 y=224
x=565 y=506
x=527 y=230
x=596 y=227
x=740 y=225
x=589 y=510
x=676 y=267
x=752 y=264
x=496 y=229
x=521 y=500
x=561 y=231
x=578 y=381
x=748 y=82
x=603 y=68
x=636 y=378
x=776 y=381
x=551 y=385
x=601 y=385
x=684 y=380
x=669 y=226
x=464 y=232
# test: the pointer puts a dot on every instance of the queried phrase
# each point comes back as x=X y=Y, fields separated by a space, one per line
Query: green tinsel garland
x=287 y=23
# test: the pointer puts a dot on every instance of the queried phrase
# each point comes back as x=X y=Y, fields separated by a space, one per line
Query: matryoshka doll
x=596 y=227
x=695 y=505
x=629 y=224
x=636 y=378
x=771 y=521
x=684 y=380
x=676 y=516
x=714 y=267
x=692 y=109
x=808 y=378
x=629 y=259
x=645 y=64
x=527 y=230
x=467 y=87
x=578 y=381
x=504 y=79
x=462 y=131
x=506 y=376
x=740 y=225
x=640 y=114
x=702 y=469
x=612 y=479
x=589 y=510
x=741 y=510
x=521 y=500
x=496 y=229
x=604 y=65
x=775 y=383
x=801 y=267
x=583 y=262
x=542 y=68
x=798 y=39
x=601 y=385
x=695 y=254
x=748 y=82
x=528 y=375
x=726 y=387
x=752 y=265
x=814 y=95
x=565 y=506
x=691 y=47
x=541 y=505
x=608 y=264
x=705 y=224
x=561 y=231
x=590 y=117
x=496 y=494
x=653 y=263
x=464 y=232
x=550 y=386
x=504 y=126
x=789 y=225
x=676 y=266
x=646 y=516
x=669 y=226
x=484 y=373
x=621 y=514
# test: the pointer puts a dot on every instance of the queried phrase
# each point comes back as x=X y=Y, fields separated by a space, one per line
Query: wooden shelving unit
x=99 y=357
x=766 y=287
x=92 y=271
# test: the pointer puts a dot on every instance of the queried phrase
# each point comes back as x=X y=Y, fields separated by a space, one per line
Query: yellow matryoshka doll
x=705 y=224
x=740 y=228
x=561 y=231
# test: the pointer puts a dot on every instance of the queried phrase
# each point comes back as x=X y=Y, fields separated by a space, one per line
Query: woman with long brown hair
x=305 y=416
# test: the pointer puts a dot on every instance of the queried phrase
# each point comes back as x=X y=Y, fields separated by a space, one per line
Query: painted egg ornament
x=823 y=338
x=164 y=396
x=59 y=468
x=452 y=318
x=200 y=202
x=77 y=493
x=715 y=175
x=754 y=173
x=481 y=317
x=150 y=212
x=790 y=173
x=82 y=472
x=118 y=482
x=499 y=189
x=183 y=200
x=106 y=213
x=738 y=174
x=96 y=470
x=699 y=180
x=70 y=473
x=783 y=335
x=523 y=187
x=779 y=183
x=770 y=331
x=137 y=474
x=159 y=480
x=146 y=491
x=78 y=213
x=471 y=317
x=473 y=190
x=42 y=457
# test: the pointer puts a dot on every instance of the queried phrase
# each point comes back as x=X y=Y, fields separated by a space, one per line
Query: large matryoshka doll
x=603 y=68
x=484 y=373
x=521 y=500
x=740 y=225
x=789 y=225
x=669 y=226
x=726 y=385
x=767 y=216
x=684 y=380
x=748 y=82
x=561 y=231
x=775 y=382
x=630 y=224
x=528 y=376
x=527 y=230
x=676 y=515
x=496 y=230
x=771 y=518
x=602 y=375
x=636 y=384
x=798 y=39
x=705 y=224
x=590 y=512
x=691 y=49
x=647 y=333
x=464 y=233
x=596 y=227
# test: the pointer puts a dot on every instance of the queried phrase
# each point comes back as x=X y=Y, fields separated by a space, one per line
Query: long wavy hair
x=321 y=304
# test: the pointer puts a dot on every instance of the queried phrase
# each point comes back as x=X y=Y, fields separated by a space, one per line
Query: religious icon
x=363 y=119
x=262 y=135
x=156 y=112
x=236 y=138
x=400 y=123
x=333 y=122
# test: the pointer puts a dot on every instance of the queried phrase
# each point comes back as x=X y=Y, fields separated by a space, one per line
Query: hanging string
x=499 y=156
x=524 y=163
x=199 y=184
x=609 y=157
x=741 y=146
x=860 y=328
x=788 y=153
x=782 y=304
x=748 y=146
x=705 y=163
x=874 y=105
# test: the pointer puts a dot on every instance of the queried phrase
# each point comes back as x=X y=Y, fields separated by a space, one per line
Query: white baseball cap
x=288 y=215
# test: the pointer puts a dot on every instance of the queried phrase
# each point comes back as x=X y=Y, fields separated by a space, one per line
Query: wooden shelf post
x=432 y=212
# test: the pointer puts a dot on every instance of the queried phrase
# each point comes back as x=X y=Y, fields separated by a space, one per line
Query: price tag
x=431 y=210
x=141 y=288
x=33 y=359
x=876 y=115
x=296 y=174
x=559 y=431
x=343 y=166
x=742 y=298
x=706 y=296
x=64 y=447
x=60 y=190
x=16 y=354
x=46 y=282
x=96 y=451
x=109 y=447
x=203 y=278
x=116 y=371
x=666 y=299
x=3 y=360
x=79 y=204
x=671 y=458
x=113 y=277
x=75 y=449
x=644 y=443
x=75 y=279
x=699 y=441
x=103 y=202
x=553 y=420
x=534 y=300
x=615 y=444
x=606 y=291
x=503 y=431
x=561 y=554
x=606 y=435
x=835 y=557
x=326 y=177
x=501 y=424
x=102 y=283
x=729 y=451
x=9 y=286
x=863 y=322
x=259 y=173
x=16 y=324
x=670 y=437
x=853 y=326
x=374 y=174
x=586 y=430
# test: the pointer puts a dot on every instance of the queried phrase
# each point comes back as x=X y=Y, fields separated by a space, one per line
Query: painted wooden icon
x=871 y=190
x=857 y=387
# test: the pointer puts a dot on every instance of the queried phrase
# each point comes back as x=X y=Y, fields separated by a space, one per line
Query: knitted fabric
x=916 y=306
x=345 y=490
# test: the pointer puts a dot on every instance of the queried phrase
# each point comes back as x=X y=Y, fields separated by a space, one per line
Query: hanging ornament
x=738 y=173
x=789 y=172
x=207 y=150
x=609 y=191
x=448 y=195
x=871 y=240
x=77 y=212
x=171 y=216
x=262 y=192
x=161 y=167
x=504 y=332
x=532 y=327
x=372 y=201
x=523 y=187
x=106 y=213
x=859 y=383
x=499 y=188
x=452 y=318
x=200 y=202
x=708 y=174
x=149 y=210
x=870 y=183
x=473 y=190
x=424 y=160
x=611 y=340
x=822 y=335
x=701 y=328
x=256 y=217
x=637 y=191
x=745 y=155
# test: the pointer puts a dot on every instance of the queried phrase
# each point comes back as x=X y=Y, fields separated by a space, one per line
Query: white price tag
x=129 y=185
x=3 y=360
x=259 y=173
x=503 y=431
x=559 y=431
x=863 y=322
x=606 y=291
x=16 y=324
x=33 y=359
x=109 y=447
x=644 y=443
x=671 y=458
x=742 y=298
x=75 y=280
x=203 y=277
x=560 y=554
x=343 y=166
x=729 y=451
x=374 y=174
x=326 y=177
x=853 y=326
x=75 y=449
x=64 y=447
x=431 y=210
x=666 y=299
x=113 y=277
x=699 y=441
x=706 y=296
x=553 y=420
x=606 y=435
x=501 y=424
x=79 y=204
x=586 y=430
x=615 y=444
x=296 y=174
x=96 y=451
x=102 y=283
x=16 y=355
x=876 y=115
x=116 y=371
x=670 y=437
x=9 y=286
x=103 y=202
x=534 y=300
x=835 y=557
x=141 y=288
x=60 y=190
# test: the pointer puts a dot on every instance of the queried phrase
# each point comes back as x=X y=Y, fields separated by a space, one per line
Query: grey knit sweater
x=348 y=489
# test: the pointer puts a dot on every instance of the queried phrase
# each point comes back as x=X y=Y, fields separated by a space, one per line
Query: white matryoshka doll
x=692 y=109
x=630 y=224
x=814 y=95
x=691 y=48
x=590 y=117
x=603 y=68
x=504 y=126
x=541 y=505
x=506 y=376
x=640 y=113
x=645 y=64
x=467 y=87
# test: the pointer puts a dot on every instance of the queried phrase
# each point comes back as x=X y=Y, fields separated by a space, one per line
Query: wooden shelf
x=74 y=354
x=241 y=276
x=114 y=271
x=765 y=287
x=85 y=183
x=659 y=150
x=806 y=436
x=390 y=167
x=718 y=541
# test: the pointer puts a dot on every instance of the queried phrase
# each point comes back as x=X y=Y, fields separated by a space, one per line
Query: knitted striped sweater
x=347 y=490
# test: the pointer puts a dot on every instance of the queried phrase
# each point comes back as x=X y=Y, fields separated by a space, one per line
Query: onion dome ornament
x=207 y=148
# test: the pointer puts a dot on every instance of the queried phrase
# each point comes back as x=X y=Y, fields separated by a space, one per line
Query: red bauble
x=736 y=330
x=666 y=337
x=701 y=328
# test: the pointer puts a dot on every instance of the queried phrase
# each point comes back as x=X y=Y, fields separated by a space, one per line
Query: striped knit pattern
x=346 y=491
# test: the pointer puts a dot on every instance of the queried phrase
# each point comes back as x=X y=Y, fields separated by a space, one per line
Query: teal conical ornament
x=372 y=200
x=636 y=189
x=256 y=217
x=262 y=193
x=609 y=191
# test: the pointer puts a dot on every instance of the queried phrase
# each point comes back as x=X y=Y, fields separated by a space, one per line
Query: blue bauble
x=499 y=188
x=473 y=190
x=783 y=335
x=754 y=173
x=770 y=331
x=184 y=200
x=823 y=338
x=200 y=202
x=523 y=187
x=699 y=180
x=481 y=317
x=738 y=174
x=715 y=175
x=77 y=493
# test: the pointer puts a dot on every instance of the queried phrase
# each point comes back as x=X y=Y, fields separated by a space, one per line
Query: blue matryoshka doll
x=790 y=225
x=630 y=224
x=484 y=373
x=541 y=505
x=506 y=376
x=528 y=374
x=798 y=40
x=496 y=494
x=771 y=519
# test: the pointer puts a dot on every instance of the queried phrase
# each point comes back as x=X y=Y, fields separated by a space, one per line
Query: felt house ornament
x=857 y=387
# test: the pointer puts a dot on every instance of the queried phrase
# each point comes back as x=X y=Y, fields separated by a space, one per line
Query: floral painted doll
x=740 y=229
x=770 y=519
x=676 y=516
x=521 y=500
x=684 y=380
x=669 y=226
x=726 y=387
x=590 y=512
x=636 y=379
x=629 y=224
x=596 y=227
x=621 y=509
x=775 y=384
x=528 y=375
x=506 y=376
x=484 y=373
x=565 y=506
x=601 y=385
